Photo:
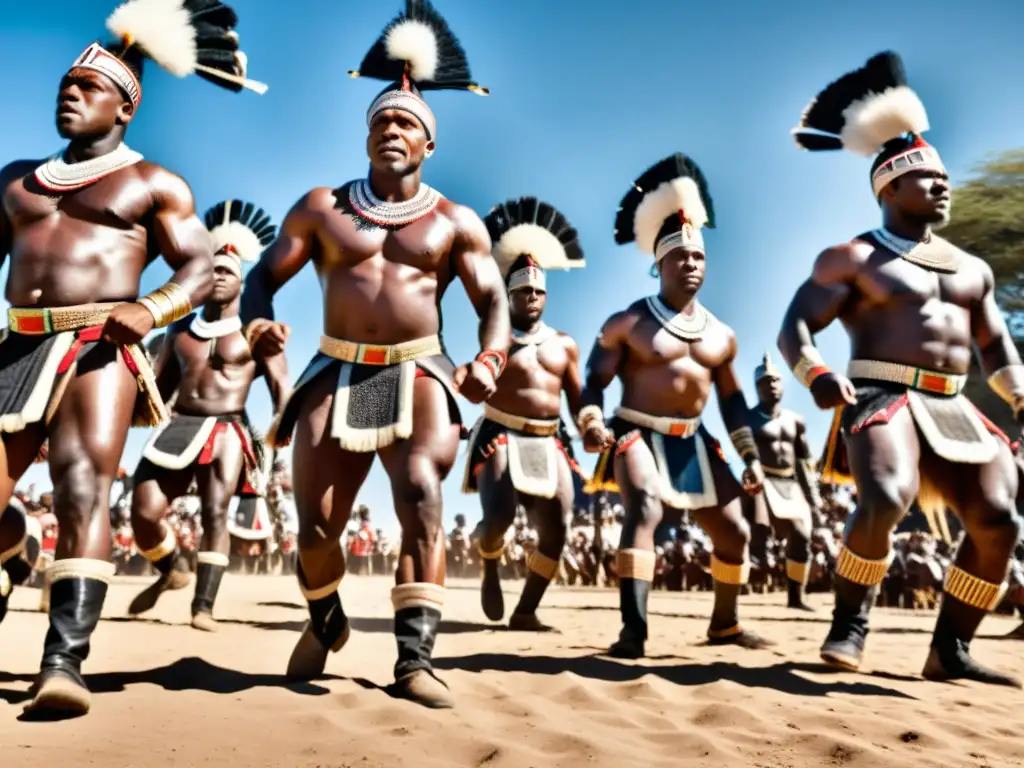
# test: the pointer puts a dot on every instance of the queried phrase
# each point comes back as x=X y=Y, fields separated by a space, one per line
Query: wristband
x=588 y=415
x=810 y=366
x=166 y=304
x=1008 y=383
x=493 y=361
x=744 y=443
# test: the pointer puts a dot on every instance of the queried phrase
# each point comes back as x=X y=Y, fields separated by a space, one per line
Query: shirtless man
x=520 y=452
x=913 y=306
x=79 y=229
x=206 y=365
x=385 y=249
x=668 y=351
x=790 y=496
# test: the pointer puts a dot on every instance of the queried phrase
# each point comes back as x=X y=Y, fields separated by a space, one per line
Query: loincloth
x=187 y=440
x=784 y=497
x=249 y=519
x=535 y=447
x=39 y=357
x=953 y=428
x=373 y=398
x=689 y=460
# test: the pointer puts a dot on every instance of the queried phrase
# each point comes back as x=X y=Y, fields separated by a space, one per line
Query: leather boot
x=844 y=646
x=327 y=631
x=208 y=577
x=633 y=594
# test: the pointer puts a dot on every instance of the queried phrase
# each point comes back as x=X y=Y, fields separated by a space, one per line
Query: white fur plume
x=160 y=27
x=242 y=239
x=881 y=117
x=670 y=197
x=414 y=42
x=536 y=242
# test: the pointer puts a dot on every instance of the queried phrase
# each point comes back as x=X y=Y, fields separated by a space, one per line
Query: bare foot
x=205 y=622
x=744 y=638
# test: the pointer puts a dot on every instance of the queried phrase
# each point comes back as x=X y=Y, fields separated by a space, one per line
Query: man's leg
x=498 y=501
x=17 y=452
x=417 y=467
x=551 y=518
x=798 y=555
x=87 y=438
x=637 y=477
x=217 y=483
x=884 y=460
x=155 y=489
x=985 y=498
x=326 y=480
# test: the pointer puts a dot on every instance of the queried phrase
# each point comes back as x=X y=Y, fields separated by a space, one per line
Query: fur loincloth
x=372 y=405
x=188 y=440
x=532 y=458
x=687 y=476
x=784 y=497
x=35 y=370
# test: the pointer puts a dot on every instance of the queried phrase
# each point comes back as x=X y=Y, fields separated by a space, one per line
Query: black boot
x=75 y=606
x=524 y=618
x=208 y=576
x=415 y=633
x=327 y=631
x=796 y=596
x=173 y=575
x=633 y=594
x=949 y=657
x=725 y=628
x=844 y=646
x=491 y=599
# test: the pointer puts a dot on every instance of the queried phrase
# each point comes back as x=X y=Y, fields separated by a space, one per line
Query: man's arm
x=815 y=306
x=274 y=369
x=606 y=357
x=167 y=368
x=572 y=382
x=996 y=349
x=733 y=406
x=806 y=475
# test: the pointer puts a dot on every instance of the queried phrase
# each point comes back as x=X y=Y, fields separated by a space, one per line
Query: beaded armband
x=810 y=366
x=743 y=442
x=1008 y=383
x=588 y=415
x=493 y=361
x=166 y=304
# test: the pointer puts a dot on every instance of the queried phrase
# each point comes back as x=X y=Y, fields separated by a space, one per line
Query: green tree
x=988 y=221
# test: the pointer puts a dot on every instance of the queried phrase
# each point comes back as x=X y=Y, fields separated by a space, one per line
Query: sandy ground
x=165 y=692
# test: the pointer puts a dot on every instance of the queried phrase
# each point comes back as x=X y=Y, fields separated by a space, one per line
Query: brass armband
x=810 y=366
x=1008 y=383
x=166 y=304
x=589 y=414
x=744 y=443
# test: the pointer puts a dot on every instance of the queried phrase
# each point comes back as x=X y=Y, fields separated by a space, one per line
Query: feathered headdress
x=530 y=236
x=766 y=369
x=666 y=208
x=240 y=231
x=183 y=36
x=871 y=111
x=417 y=51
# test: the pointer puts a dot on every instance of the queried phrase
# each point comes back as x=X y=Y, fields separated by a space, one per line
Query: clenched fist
x=474 y=382
x=268 y=337
x=127 y=324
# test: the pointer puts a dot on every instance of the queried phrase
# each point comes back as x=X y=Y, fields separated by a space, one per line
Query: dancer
x=80 y=228
x=205 y=364
x=385 y=248
x=519 y=451
x=668 y=351
x=913 y=305
x=790 y=492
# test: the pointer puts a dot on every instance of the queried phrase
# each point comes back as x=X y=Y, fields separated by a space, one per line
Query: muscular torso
x=663 y=375
x=85 y=246
x=382 y=286
x=776 y=437
x=212 y=384
x=900 y=312
x=531 y=384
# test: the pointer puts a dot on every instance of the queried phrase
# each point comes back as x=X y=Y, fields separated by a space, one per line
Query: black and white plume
x=243 y=226
x=673 y=187
x=419 y=44
x=186 y=37
x=529 y=227
x=863 y=110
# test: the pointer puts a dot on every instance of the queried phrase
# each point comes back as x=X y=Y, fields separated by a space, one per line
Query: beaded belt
x=915 y=378
x=380 y=354
x=666 y=425
x=779 y=471
x=42 y=322
x=535 y=427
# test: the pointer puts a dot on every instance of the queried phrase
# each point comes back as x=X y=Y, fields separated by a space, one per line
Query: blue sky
x=584 y=97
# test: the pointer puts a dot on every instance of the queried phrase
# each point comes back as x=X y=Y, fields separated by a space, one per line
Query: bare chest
x=529 y=359
x=196 y=354
x=779 y=430
x=652 y=345
x=888 y=279
x=117 y=202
